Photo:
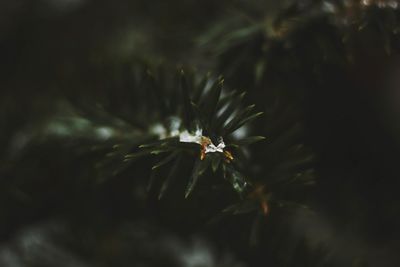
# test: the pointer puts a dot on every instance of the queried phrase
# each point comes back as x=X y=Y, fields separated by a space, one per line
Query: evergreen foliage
x=199 y=133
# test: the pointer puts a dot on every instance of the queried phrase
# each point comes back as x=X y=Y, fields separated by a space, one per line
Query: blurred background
x=326 y=73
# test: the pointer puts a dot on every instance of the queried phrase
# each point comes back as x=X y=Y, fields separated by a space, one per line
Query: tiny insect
x=207 y=146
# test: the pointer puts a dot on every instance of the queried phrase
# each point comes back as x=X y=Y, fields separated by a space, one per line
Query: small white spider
x=212 y=148
x=205 y=142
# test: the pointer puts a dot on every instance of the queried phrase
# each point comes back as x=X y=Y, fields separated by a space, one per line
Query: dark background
x=336 y=70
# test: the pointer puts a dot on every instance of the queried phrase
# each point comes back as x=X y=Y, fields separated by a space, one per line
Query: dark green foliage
x=211 y=115
x=112 y=157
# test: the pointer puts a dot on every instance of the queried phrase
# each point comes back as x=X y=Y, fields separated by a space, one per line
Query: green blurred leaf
x=215 y=162
x=188 y=114
x=249 y=140
x=199 y=89
x=240 y=116
x=210 y=101
x=172 y=174
x=199 y=168
x=244 y=121
x=236 y=179
x=161 y=142
x=166 y=160
x=231 y=106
